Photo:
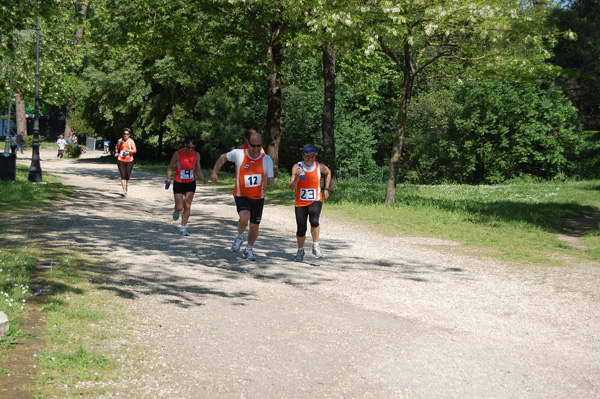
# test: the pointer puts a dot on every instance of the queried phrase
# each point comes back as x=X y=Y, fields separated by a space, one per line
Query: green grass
x=518 y=221
x=21 y=196
x=82 y=321
x=18 y=257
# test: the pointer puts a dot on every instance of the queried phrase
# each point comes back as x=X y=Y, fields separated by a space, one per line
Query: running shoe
x=124 y=193
x=176 y=215
x=237 y=243
x=248 y=254
x=316 y=250
x=183 y=231
x=299 y=255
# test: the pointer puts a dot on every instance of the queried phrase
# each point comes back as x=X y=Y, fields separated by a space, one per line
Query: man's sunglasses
x=255 y=145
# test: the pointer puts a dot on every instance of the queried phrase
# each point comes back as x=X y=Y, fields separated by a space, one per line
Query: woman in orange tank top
x=124 y=152
x=305 y=180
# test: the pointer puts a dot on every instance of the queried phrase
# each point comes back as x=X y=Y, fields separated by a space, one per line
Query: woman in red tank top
x=186 y=162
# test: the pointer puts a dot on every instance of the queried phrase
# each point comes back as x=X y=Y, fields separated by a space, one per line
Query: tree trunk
x=69 y=109
x=270 y=40
x=328 y=115
x=273 y=133
x=82 y=9
x=20 y=115
x=398 y=142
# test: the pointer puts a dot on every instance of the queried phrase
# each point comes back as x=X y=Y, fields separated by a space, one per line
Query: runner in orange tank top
x=124 y=151
x=305 y=180
x=253 y=171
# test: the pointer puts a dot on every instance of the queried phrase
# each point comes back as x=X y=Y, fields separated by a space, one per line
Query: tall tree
x=268 y=22
x=580 y=57
x=417 y=34
x=328 y=115
x=82 y=8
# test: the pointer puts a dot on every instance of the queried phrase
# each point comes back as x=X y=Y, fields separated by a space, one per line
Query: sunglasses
x=190 y=146
x=255 y=145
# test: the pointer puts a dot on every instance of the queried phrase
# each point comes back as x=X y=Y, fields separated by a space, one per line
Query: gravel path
x=378 y=317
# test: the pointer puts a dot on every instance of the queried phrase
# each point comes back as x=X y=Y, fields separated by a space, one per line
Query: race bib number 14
x=187 y=174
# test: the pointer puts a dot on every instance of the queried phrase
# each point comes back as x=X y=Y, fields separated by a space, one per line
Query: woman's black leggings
x=310 y=212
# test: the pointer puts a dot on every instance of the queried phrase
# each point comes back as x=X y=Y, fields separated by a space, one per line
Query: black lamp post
x=35 y=170
x=8 y=160
x=7 y=141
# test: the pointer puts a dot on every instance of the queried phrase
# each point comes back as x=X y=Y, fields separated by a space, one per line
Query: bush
x=29 y=140
x=490 y=132
x=74 y=150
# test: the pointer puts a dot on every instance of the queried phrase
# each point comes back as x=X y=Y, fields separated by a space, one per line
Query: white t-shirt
x=237 y=156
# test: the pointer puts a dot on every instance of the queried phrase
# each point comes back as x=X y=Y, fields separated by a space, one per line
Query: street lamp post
x=7 y=141
x=35 y=170
x=8 y=160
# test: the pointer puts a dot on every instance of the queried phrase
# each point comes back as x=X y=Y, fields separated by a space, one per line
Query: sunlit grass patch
x=21 y=195
x=518 y=221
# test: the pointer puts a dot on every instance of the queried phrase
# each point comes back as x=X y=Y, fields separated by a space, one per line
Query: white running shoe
x=248 y=254
x=183 y=231
x=299 y=255
x=176 y=215
x=237 y=243
x=316 y=250
x=124 y=193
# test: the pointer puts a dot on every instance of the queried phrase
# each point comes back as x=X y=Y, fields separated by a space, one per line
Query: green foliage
x=80 y=125
x=302 y=108
x=578 y=51
x=220 y=117
x=491 y=132
x=356 y=145
x=74 y=150
x=587 y=155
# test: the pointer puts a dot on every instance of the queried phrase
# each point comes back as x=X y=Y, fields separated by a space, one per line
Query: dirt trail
x=378 y=317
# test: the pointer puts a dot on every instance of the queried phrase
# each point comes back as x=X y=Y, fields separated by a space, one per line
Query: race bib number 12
x=253 y=180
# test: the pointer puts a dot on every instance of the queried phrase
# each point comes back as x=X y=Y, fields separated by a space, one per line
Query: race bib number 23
x=308 y=194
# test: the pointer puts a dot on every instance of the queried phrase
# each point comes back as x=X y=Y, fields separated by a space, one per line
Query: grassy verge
x=517 y=222
x=86 y=346
x=89 y=344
